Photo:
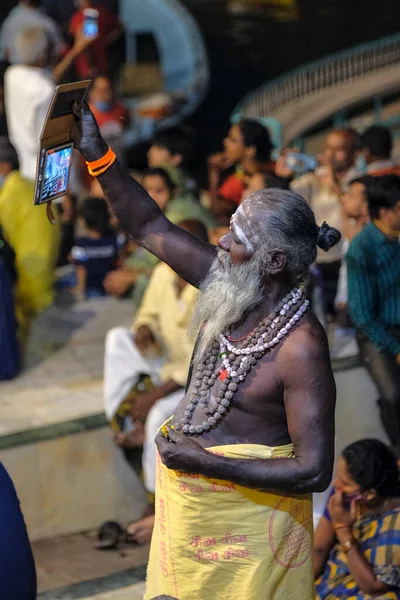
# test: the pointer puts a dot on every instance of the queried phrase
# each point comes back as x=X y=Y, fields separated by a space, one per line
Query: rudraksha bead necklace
x=237 y=362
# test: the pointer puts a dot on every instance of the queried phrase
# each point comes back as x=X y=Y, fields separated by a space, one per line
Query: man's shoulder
x=306 y=185
x=11 y=17
x=360 y=246
x=15 y=183
x=30 y=77
x=16 y=196
x=305 y=344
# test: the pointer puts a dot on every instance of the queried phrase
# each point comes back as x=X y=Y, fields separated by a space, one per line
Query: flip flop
x=109 y=536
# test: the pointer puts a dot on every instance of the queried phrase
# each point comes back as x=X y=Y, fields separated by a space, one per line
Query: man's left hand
x=338 y=513
x=181 y=453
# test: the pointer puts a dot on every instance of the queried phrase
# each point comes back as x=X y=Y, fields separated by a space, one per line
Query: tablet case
x=59 y=123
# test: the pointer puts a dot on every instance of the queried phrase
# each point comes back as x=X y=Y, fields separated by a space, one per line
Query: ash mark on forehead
x=242 y=225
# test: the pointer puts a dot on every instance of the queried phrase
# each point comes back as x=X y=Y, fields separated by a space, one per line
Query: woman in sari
x=357 y=541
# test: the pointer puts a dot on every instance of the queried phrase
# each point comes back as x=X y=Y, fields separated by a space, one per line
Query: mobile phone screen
x=54 y=173
x=90 y=26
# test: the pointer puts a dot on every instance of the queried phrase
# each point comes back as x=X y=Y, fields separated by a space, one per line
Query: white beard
x=227 y=294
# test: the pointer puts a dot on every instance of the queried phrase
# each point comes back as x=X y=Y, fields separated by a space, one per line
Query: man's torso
x=382 y=260
x=257 y=414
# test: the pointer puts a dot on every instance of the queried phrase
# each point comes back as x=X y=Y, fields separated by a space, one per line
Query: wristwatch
x=348 y=545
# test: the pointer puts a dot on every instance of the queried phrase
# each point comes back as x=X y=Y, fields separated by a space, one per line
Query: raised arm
x=139 y=215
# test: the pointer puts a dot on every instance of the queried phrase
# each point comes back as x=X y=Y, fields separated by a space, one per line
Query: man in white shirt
x=29 y=86
x=323 y=190
x=26 y=14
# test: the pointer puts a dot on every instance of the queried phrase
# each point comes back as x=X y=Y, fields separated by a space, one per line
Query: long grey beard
x=227 y=294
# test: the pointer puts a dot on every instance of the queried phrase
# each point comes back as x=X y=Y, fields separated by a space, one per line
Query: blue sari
x=378 y=538
x=17 y=567
x=10 y=360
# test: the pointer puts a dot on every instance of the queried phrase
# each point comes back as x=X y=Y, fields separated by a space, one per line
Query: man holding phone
x=95 y=21
x=323 y=189
x=29 y=87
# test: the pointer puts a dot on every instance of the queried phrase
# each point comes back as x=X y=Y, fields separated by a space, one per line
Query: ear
x=277 y=262
x=177 y=160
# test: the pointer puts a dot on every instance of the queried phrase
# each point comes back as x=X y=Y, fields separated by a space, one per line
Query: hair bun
x=327 y=237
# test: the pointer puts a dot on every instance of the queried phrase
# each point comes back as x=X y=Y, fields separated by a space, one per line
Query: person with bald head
x=323 y=190
x=231 y=520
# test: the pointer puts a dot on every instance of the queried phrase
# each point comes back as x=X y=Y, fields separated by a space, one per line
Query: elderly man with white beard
x=254 y=436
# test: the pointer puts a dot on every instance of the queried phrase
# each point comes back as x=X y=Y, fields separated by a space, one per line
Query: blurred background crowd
x=346 y=166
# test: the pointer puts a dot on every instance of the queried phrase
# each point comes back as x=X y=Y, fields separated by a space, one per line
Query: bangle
x=348 y=545
x=99 y=166
x=341 y=526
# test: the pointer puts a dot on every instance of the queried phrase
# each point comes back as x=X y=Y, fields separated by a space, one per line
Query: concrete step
x=70 y=568
x=54 y=439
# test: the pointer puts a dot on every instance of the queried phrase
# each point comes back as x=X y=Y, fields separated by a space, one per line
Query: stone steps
x=54 y=440
x=70 y=568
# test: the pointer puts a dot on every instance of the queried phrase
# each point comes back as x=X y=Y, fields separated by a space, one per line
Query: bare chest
x=256 y=413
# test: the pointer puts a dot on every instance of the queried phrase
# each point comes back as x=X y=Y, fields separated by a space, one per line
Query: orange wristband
x=97 y=167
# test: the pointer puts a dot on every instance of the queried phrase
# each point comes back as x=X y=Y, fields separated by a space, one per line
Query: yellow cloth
x=214 y=540
x=35 y=242
x=168 y=316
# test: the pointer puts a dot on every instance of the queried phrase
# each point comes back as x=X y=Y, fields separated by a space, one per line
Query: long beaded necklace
x=237 y=362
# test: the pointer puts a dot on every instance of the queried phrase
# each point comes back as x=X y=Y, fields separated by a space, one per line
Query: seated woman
x=357 y=541
x=247 y=140
x=135 y=272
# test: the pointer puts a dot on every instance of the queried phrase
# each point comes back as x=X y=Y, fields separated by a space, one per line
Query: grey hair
x=287 y=224
x=31 y=45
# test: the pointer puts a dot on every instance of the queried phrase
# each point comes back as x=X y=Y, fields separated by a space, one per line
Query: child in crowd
x=255 y=180
x=136 y=270
x=159 y=185
x=175 y=148
x=94 y=254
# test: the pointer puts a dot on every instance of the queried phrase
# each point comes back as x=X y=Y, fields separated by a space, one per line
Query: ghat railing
x=330 y=71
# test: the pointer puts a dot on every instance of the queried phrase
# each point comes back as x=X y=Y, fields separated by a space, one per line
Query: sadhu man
x=253 y=437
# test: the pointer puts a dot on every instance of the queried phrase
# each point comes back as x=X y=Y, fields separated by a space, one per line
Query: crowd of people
x=355 y=188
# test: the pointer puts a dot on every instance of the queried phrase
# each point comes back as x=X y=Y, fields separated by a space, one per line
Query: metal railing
x=327 y=72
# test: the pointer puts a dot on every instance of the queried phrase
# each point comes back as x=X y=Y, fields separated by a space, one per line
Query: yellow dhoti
x=214 y=540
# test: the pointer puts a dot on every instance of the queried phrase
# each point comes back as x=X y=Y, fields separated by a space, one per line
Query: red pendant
x=223 y=375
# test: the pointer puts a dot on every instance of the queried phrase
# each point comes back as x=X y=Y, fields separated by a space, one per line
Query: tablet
x=56 y=145
x=53 y=173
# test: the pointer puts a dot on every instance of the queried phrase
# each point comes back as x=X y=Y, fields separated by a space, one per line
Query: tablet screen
x=55 y=170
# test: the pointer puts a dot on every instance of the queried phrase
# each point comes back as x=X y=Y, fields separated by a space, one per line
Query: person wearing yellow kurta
x=157 y=345
x=34 y=240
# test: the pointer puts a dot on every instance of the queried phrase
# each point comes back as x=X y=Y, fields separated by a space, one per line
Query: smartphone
x=301 y=163
x=53 y=173
x=90 y=23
